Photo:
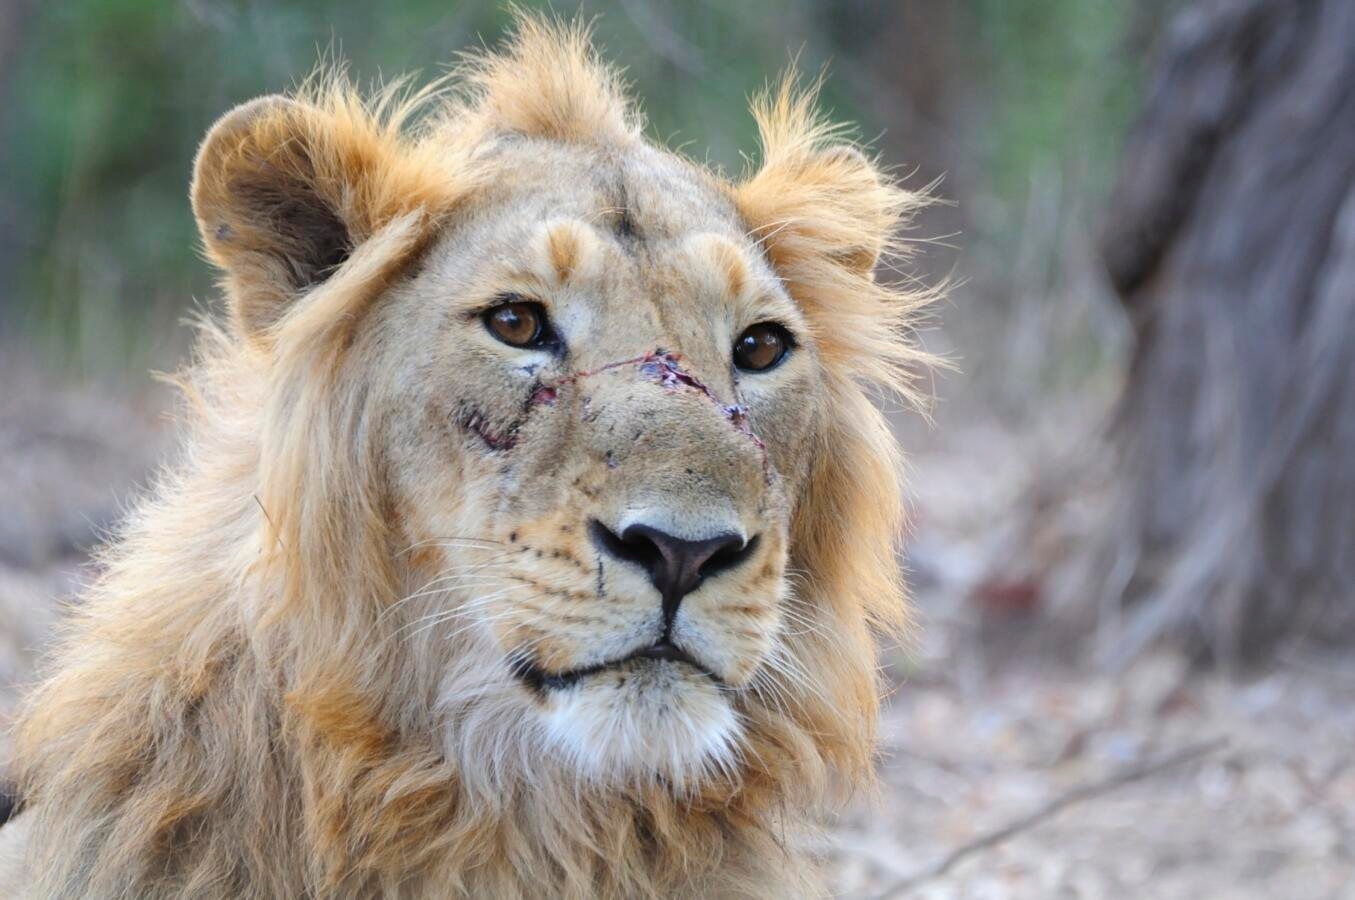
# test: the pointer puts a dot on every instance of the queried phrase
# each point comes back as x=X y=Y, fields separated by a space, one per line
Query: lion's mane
x=226 y=715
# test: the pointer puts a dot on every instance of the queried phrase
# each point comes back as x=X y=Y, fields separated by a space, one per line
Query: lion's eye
x=520 y=323
x=761 y=347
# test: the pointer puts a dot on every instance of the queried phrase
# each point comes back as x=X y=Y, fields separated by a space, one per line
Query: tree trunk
x=1231 y=240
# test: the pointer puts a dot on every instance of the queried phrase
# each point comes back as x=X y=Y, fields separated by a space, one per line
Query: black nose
x=675 y=565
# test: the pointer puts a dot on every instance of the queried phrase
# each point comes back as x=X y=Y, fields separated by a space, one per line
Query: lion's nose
x=676 y=566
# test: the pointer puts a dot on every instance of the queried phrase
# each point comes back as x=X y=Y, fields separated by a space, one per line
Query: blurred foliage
x=107 y=100
x=1062 y=84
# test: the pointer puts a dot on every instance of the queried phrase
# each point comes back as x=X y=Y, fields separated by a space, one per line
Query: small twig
x=1088 y=791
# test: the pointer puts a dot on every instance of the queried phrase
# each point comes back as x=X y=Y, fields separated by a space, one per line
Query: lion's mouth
x=662 y=652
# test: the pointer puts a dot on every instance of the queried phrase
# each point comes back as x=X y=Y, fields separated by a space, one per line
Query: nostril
x=733 y=552
x=632 y=548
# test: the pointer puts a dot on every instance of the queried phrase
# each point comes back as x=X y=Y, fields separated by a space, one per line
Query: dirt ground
x=1009 y=768
x=1263 y=808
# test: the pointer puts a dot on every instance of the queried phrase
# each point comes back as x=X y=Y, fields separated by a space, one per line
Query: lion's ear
x=282 y=192
x=824 y=214
x=826 y=201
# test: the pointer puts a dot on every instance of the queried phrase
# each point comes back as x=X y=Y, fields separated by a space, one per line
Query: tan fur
x=292 y=678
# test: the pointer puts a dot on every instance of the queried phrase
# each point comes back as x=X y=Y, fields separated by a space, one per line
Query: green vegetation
x=1062 y=84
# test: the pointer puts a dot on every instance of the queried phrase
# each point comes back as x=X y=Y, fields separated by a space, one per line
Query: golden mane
x=227 y=715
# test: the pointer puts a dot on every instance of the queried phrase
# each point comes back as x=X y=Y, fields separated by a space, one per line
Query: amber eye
x=520 y=323
x=761 y=347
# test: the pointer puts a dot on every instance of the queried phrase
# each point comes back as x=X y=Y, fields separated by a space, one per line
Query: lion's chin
x=647 y=722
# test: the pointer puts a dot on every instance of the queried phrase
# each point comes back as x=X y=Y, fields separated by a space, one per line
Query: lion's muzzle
x=676 y=566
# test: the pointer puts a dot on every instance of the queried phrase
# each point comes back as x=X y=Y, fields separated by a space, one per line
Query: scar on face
x=661 y=366
x=569 y=245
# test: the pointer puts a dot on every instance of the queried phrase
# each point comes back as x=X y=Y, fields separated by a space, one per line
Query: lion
x=533 y=531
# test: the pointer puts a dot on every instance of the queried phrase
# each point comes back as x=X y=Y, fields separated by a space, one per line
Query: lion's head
x=534 y=503
x=602 y=408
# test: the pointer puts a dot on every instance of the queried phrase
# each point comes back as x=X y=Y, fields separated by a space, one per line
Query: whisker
x=453 y=541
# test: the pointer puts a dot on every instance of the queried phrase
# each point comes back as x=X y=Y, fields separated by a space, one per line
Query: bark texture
x=1231 y=239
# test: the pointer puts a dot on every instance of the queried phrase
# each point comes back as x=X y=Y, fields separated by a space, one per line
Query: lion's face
x=612 y=406
x=569 y=437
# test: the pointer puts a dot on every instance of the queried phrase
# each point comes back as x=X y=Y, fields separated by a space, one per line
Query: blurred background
x=1133 y=533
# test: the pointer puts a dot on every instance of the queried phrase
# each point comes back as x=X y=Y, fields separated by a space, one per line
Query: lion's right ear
x=266 y=206
x=286 y=190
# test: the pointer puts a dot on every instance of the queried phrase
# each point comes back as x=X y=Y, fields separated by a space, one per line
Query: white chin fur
x=645 y=722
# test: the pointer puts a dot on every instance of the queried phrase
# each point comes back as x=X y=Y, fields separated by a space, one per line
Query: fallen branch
x=1082 y=792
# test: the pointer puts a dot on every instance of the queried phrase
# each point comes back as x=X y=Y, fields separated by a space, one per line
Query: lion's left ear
x=829 y=202
x=824 y=213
